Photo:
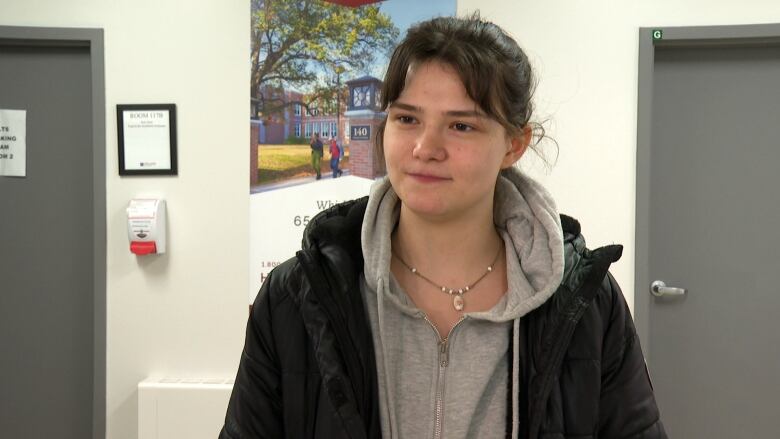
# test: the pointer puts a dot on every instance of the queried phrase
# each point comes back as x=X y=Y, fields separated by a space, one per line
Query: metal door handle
x=658 y=289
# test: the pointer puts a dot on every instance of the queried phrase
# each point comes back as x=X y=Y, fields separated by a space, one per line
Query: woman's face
x=443 y=153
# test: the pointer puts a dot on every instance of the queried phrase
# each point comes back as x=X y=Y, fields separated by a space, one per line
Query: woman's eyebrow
x=465 y=113
x=406 y=107
x=456 y=113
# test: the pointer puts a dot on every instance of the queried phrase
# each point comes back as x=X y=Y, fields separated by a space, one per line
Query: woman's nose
x=430 y=145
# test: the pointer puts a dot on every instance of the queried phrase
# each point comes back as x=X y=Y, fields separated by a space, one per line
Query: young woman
x=454 y=301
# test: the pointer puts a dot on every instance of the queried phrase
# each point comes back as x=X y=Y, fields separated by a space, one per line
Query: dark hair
x=492 y=67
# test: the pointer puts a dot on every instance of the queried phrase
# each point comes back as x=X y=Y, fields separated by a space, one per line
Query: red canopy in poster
x=353 y=3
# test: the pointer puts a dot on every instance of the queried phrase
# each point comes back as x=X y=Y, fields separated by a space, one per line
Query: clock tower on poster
x=364 y=116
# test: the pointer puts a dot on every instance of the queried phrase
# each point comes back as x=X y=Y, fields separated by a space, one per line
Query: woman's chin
x=431 y=209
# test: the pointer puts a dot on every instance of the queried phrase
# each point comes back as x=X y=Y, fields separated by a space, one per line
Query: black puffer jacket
x=308 y=371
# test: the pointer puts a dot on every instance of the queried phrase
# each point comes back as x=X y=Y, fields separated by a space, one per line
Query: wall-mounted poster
x=316 y=76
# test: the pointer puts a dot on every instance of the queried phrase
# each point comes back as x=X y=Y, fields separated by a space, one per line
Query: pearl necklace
x=457 y=301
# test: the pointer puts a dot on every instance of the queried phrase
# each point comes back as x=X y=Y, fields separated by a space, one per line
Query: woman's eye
x=462 y=127
x=405 y=119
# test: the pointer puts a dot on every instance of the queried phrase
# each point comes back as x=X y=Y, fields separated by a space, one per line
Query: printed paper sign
x=13 y=143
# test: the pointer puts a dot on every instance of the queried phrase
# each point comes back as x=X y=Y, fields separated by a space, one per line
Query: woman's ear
x=518 y=144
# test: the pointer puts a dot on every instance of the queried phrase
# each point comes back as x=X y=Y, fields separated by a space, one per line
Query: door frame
x=751 y=35
x=92 y=39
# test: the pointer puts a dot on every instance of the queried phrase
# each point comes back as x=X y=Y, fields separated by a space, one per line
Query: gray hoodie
x=458 y=389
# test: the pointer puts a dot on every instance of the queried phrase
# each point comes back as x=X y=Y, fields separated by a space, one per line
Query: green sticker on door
x=658 y=34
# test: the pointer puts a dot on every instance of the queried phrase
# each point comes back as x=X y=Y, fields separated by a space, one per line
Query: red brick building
x=296 y=121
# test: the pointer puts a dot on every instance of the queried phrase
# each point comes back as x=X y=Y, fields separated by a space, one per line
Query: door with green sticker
x=707 y=299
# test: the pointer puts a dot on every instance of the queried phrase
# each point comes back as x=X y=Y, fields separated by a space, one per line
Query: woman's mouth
x=427 y=178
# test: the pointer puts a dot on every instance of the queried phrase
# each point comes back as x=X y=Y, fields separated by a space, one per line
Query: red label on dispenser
x=143 y=248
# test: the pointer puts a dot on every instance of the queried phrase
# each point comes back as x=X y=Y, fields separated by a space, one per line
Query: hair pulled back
x=491 y=65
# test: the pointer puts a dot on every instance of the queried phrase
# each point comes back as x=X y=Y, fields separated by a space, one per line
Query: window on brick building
x=297 y=130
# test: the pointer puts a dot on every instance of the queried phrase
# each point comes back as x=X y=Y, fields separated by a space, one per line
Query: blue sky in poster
x=407 y=12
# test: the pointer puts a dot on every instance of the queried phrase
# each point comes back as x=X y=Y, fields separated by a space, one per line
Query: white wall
x=586 y=54
x=182 y=314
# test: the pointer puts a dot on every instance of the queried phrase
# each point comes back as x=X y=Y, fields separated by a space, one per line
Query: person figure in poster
x=454 y=301
x=316 y=153
x=335 y=157
x=341 y=153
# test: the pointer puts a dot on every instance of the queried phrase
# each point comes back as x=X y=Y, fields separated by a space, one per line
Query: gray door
x=48 y=246
x=708 y=221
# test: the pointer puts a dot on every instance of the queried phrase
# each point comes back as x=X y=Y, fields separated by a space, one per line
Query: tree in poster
x=309 y=45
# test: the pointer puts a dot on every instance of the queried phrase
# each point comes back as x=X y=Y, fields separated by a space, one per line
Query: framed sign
x=147 y=139
x=360 y=132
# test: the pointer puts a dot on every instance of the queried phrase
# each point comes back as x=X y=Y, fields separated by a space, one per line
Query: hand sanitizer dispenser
x=146 y=226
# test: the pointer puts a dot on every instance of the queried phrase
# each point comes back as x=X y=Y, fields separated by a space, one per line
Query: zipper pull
x=443 y=355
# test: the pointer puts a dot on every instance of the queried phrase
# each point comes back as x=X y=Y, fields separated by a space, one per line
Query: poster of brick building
x=316 y=77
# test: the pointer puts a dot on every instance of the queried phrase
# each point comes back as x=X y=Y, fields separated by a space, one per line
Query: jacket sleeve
x=255 y=408
x=627 y=408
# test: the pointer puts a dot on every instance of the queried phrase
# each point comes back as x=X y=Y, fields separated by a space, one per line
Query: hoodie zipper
x=443 y=344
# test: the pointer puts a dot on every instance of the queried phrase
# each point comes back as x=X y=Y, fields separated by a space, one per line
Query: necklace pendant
x=457 y=302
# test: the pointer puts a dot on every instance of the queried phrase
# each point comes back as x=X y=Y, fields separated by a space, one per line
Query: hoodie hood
x=527 y=219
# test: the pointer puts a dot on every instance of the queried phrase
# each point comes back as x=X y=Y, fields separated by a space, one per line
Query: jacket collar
x=341 y=223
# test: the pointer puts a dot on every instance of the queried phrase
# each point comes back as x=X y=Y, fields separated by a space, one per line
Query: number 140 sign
x=360 y=132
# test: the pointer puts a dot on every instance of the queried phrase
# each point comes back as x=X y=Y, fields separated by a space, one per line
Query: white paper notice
x=147 y=139
x=13 y=143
